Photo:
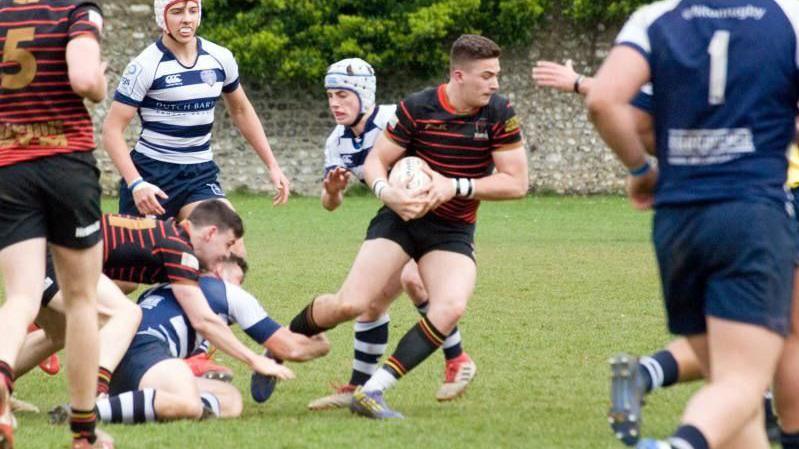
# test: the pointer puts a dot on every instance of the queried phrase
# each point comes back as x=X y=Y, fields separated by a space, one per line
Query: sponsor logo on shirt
x=208 y=77
x=174 y=80
x=480 y=130
x=189 y=260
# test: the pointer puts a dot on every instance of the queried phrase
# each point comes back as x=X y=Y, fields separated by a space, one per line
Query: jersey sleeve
x=134 y=83
x=332 y=155
x=635 y=33
x=248 y=313
x=231 y=69
x=643 y=99
x=86 y=19
x=179 y=261
x=507 y=130
x=401 y=128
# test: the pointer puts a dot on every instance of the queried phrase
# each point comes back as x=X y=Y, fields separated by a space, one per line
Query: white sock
x=381 y=381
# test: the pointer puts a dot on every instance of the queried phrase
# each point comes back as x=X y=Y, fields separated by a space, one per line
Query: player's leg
x=166 y=391
x=450 y=279
x=371 y=340
x=78 y=271
x=220 y=399
x=786 y=381
x=376 y=264
x=459 y=368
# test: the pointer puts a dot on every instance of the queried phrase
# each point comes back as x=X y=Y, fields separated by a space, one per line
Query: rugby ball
x=407 y=173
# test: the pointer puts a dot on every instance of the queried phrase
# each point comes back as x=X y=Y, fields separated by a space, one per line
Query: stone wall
x=566 y=154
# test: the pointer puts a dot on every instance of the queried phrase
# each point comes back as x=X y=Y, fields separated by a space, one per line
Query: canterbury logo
x=174 y=79
x=87 y=230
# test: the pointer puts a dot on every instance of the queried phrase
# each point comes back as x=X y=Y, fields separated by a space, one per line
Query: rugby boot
x=342 y=397
x=626 y=398
x=372 y=405
x=202 y=365
x=58 y=414
x=51 y=365
x=653 y=444
x=103 y=441
x=262 y=387
x=458 y=373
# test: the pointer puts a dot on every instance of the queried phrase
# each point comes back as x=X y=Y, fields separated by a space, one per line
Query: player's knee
x=349 y=307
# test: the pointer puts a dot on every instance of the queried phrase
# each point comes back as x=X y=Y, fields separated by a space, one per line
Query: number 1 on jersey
x=719 y=52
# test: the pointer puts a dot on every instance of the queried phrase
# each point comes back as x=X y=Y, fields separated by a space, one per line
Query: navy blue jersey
x=724 y=76
x=163 y=318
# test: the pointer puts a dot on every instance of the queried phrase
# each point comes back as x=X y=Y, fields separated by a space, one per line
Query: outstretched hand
x=336 y=180
x=552 y=74
x=268 y=367
x=282 y=186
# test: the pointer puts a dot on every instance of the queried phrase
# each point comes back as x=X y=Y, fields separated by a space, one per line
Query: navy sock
x=132 y=407
x=689 y=437
x=658 y=370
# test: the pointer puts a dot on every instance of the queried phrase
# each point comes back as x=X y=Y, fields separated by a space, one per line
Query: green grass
x=563 y=283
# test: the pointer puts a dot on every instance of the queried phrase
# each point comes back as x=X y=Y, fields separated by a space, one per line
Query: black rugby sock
x=422 y=340
x=304 y=323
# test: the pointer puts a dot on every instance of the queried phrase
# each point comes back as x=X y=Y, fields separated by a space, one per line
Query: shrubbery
x=281 y=41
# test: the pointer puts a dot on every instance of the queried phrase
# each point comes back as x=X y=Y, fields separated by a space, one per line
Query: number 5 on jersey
x=24 y=58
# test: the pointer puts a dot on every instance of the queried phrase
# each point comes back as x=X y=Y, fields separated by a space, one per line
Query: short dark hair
x=217 y=213
x=238 y=260
x=471 y=47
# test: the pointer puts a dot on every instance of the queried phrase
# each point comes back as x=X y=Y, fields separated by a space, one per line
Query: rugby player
x=723 y=230
x=174 y=85
x=351 y=87
x=49 y=190
x=154 y=384
x=460 y=129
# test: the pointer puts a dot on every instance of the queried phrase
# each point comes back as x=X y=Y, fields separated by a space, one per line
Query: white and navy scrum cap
x=356 y=75
x=160 y=7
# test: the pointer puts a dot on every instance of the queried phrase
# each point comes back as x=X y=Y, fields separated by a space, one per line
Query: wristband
x=640 y=171
x=577 y=83
x=135 y=183
x=464 y=187
x=378 y=186
x=470 y=194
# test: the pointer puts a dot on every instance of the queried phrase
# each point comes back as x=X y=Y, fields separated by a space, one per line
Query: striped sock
x=132 y=407
x=211 y=403
x=688 y=437
x=422 y=340
x=371 y=340
x=7 y=376
x=82 y=423
x=659 y=370
x=103 y=381
x=453 y=345
x=789 y=440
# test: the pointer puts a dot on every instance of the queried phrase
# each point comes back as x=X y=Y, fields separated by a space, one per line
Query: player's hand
x=146 y=195
x=641 y=189
x=336 y=180
x=408 y=204
x=557 y=76
x=268 y=367
x=441 y=189
x=282 y=186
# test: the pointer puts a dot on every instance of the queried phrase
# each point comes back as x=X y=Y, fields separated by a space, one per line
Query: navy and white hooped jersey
x=725 y=79
x=164 y=319
x=343 y=149
x=175 y=102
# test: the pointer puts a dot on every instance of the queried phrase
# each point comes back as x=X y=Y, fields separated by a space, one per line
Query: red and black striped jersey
x=147 y=251
x=40 y=115
x=457 y=146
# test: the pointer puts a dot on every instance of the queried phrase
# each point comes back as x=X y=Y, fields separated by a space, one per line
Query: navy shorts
x=145 y=351
x=732 y=260
x=423 y=235
x=184 y=183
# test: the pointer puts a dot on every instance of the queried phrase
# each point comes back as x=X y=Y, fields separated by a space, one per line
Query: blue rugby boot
x=262 y=387
x=372 y=405
x=626 y=398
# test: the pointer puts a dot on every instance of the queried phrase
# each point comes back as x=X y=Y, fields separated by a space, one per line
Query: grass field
x=563 y=283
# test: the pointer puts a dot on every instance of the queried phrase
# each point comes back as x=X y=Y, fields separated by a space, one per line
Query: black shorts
x=50 y=281
x=421 y=236
x=56 y=197
x=145 y=352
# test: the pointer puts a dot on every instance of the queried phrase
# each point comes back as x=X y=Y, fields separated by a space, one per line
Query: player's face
x=213 y=245
x=479 y=80
x=182 y=20
x=344 y=106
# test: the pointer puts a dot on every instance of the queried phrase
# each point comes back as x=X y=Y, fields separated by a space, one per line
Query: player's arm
x=86 y=71
x=333 y=187
x=561 y=77
x=246 y=120
x=214 y=329
x=510 y=179
x=287 y=345
x=384 y=154
x=145 y=195
x=621 y=76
